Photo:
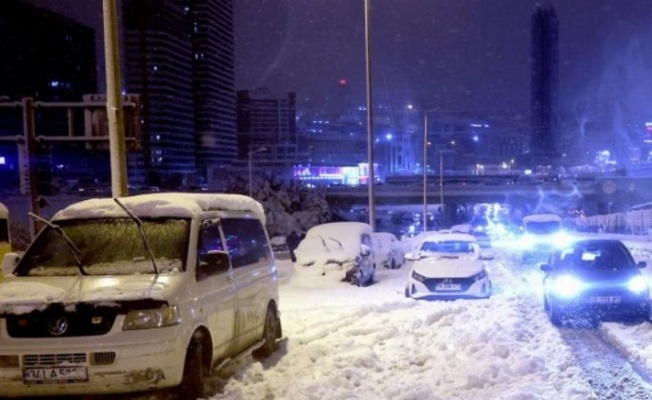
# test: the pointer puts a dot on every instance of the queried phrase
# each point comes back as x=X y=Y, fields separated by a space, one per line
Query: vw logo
x=58 y=326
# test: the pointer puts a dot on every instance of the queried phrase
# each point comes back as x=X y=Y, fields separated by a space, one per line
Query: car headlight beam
x=637 y=284
x=567 y=286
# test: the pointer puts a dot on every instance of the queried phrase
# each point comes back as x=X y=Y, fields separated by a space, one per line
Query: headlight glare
x=637 y=284
x=152 y=318
x=567 y=286
x=561 y=239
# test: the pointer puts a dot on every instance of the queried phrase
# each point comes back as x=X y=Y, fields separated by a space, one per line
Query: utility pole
x=370 y=120
x=114 y=108
x=29 y=133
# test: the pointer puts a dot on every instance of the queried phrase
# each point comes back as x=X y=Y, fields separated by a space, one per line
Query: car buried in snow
x=592 y=280
x=138 y=293
x=448 y=265
x=388 y=250
x=340 y=250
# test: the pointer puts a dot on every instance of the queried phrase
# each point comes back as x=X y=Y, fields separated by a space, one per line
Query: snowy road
x=345 y=342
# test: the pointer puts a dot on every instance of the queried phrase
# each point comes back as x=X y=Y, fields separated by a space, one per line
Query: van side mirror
x=545 y=267
x=214 y=262
x=9 y=262
x=641 y=264
x=365 y=250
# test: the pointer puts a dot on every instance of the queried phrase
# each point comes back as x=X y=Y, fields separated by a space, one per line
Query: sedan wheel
x=554 y=315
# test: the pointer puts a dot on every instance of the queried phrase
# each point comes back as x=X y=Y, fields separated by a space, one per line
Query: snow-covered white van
x=138 y=293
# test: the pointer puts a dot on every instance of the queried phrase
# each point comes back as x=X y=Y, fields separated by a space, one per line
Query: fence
x=637 y=222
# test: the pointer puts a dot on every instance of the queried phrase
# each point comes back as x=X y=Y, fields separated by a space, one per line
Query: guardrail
x=628 y=222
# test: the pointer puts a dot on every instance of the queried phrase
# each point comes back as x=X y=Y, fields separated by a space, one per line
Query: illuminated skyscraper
x=179 y=59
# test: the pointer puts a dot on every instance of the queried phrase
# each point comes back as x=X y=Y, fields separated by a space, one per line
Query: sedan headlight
x=418 y=277
x=152 y=318
x=637 y=284
x=567 y=286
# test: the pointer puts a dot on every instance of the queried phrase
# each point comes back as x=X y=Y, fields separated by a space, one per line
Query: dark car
x=593 y=280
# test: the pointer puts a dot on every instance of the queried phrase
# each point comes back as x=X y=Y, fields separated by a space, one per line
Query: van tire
x=270 y=334
x=192 y=382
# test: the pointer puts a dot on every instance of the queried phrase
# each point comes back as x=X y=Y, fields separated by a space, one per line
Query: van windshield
x=108 y=246
x=543 y=227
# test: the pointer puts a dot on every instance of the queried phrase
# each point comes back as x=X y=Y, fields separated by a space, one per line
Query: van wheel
x=192 y=382
x=272 y=326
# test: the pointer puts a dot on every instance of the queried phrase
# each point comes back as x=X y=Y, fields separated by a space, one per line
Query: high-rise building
x=265 y=120
x=179 y=59
x=213 y=81
x=49 y=58
x=56 y=66
x=544 y=144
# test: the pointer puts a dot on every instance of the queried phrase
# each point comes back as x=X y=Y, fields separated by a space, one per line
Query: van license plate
x=55 y=375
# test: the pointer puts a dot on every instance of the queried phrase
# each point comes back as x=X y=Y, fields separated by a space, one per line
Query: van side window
x=210 y=241
x=246 y=240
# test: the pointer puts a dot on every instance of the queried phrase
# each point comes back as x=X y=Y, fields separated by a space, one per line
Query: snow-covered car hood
x=448 y=266
x=20 y=295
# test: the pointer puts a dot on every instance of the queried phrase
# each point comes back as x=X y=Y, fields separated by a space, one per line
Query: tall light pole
x=251 y=154
x=425 y=167
x=441 y=179
x=425 y=171
x=114 y=109
x=370 y=131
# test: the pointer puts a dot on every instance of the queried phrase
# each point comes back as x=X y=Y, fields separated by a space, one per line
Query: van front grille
x=53 y=359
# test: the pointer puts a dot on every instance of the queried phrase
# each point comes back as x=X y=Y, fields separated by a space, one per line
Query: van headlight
x=152 y=318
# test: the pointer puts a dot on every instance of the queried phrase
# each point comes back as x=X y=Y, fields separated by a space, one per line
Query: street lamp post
x=441 y=179
x=250 y=154
x=425 y=168
x=425 y=171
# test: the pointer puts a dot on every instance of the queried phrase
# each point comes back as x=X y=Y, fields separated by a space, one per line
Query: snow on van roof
x=541 y=218
x=4 y=212
x=184 y=205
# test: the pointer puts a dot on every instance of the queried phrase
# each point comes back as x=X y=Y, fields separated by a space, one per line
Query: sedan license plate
x=448 y=286
x=55 y=375
x=604 y=300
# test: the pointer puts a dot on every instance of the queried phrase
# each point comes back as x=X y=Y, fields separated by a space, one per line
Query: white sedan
x=448 y=265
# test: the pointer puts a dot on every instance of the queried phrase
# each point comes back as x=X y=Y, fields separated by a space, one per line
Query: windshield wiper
x=141 y=230
x=74 y=249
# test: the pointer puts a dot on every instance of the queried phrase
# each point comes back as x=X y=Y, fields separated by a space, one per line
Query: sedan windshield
x=110 y=246
x=595 y=256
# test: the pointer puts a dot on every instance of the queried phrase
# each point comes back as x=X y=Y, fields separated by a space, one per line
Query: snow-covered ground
x=345 y=342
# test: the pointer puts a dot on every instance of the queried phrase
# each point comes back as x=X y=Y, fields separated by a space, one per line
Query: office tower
x=544 y=85
x=265 y=120
x=179 y=59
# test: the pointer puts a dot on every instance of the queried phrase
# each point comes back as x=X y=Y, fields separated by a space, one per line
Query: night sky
x=458 y=54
